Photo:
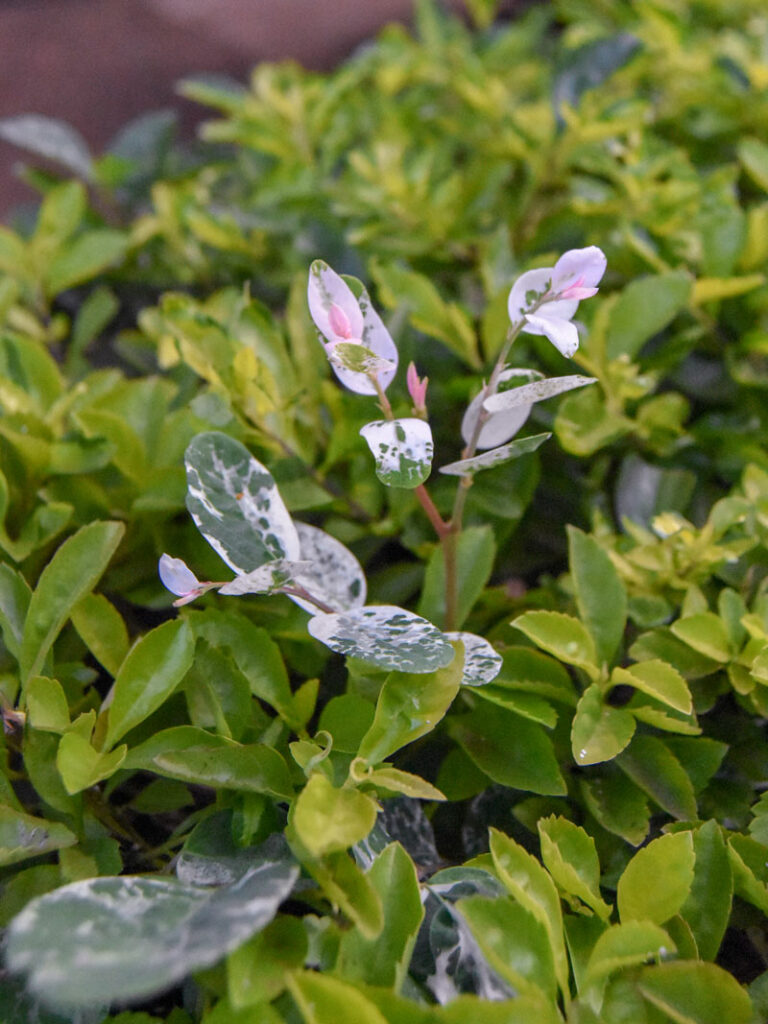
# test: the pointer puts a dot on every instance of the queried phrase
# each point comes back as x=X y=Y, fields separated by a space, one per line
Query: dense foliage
x=209 y=814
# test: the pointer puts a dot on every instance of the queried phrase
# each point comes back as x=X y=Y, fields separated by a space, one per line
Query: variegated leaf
x=384 y=635
x=537 y=391
x=236 y=505
x=500 y=427
x=114 y=939
x=330 y=571
x=402 y=449
x=481 y=662
x=267 y=579
x=496 y=456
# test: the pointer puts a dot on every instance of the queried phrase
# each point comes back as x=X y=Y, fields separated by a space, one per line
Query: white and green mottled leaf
x=267 y=579
x=500 y=427
x=357 y=358
x=330 y=571
x=481 y=662
x=496 y=456
x=106 y=939
x=402 y=449
x=536 y=391
x=236 y=505
x=384 y=635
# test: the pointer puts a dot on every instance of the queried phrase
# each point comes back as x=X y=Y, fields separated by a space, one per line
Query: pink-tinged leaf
x=579 y=267
x=562 y=333
x=176 y=576
x=325 y=291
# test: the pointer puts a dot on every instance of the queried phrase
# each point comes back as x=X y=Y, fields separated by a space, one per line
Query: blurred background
x=99 y=63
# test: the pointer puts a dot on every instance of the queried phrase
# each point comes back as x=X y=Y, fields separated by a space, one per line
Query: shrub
x=522 y=777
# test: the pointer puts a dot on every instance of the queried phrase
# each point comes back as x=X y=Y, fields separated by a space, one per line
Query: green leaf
x=750 y=878
x=80 y=766
x=85 y=258
x=569 y=854
x=14 y=604
x=329 y=820
x=753 y=154
x=402 y=450
x=599 y=732
x=600 y=594
x=714 y=289
x=409 y=705
x=617 y=804
x=624 y=945
x=707 y=909
x=347 y=718
x=695 y=993
x=427 y=310
x=323 y=999
x=149 y=674
x=256 y=655
x=384 y=960
x=475 y=554
x=47 y=705
x=561 y=635
x=256 y=971
x=102 y=629
x=584 y=423
x=645 y=307
x=496 y=456
x=530 y=885
x=526 y=704
x=384 y=635
x=706 y=634
x=71 y=574
x=236 y=505
x=656 y=882
x=251 y=768
x=170 y=741
x=653 y=767
x=528 y=670
x=136 y=936
x=348 y=888
x=659 y=680
x=510 y=749
x=515 y=943
x=22 y=836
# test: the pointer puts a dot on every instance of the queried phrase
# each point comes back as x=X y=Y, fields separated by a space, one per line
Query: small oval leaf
x=402 y=450
x=481 y=662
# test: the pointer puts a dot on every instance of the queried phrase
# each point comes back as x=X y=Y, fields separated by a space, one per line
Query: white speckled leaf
x=481 y=662
x=236 y=505
x=330 y=571
x=402 y=450
x=267 y=579
x=384 y=635
x=500 y=427
x=112 y=939
x=496 y=456
x=535 y=392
